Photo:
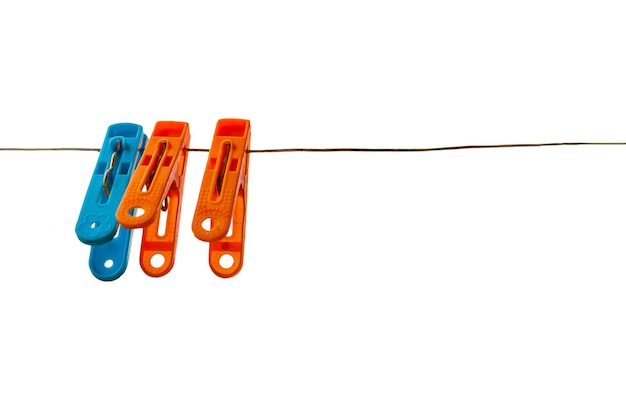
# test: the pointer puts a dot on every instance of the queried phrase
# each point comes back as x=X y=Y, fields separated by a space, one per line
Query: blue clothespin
x=97 y=225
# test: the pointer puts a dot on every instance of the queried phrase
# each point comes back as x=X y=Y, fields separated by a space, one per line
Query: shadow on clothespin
x=97 y=224
x=154 y=196
x=220 y=216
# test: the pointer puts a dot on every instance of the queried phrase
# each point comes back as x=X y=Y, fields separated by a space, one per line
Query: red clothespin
x=222 y=201
x=155 y=190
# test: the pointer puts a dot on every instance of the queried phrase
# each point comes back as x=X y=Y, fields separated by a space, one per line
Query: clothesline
x=292 y=150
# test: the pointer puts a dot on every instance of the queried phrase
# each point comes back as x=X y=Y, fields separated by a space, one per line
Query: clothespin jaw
x=155 y=191
x=223 y=193
x=97 y=224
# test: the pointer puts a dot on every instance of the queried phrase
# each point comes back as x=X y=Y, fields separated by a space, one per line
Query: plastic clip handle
x=97 y=224
x=223 y=194
x=108 y=262
x=155 y=190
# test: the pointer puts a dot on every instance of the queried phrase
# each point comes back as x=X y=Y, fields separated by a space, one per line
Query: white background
x=488 y=283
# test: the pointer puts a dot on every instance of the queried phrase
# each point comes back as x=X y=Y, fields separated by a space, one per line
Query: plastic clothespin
x=222 y=201
x=97 y=224
x=154 y=196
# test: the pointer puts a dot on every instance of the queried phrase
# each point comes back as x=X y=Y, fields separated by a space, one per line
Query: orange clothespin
x=222 y=201
x=154 y=195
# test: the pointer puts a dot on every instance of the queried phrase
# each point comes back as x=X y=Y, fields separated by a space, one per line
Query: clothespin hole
x=94 y=225
x=230 y=230
x=227 y=261
x=157 y=260
x=206 y=224
x=136 y=211
x=162 y=224
x=108 y=263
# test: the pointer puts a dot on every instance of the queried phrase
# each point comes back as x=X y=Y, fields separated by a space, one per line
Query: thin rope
x=50 y=149
x=292 y=150
x=442 y=148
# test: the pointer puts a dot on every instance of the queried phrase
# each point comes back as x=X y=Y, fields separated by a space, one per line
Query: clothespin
x=220 y=216
x=154 y=196
x=97 y=224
